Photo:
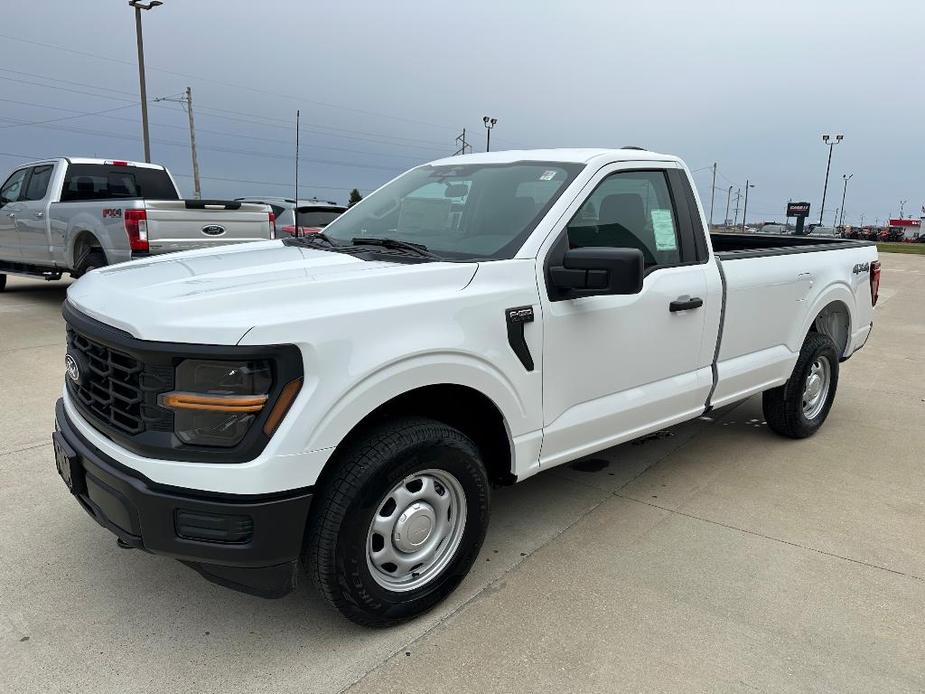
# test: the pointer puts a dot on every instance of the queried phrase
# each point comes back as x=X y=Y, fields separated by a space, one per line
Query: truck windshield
x=482 y=211
x=108 y=182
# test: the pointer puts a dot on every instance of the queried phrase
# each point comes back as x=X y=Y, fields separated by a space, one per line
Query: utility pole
x=728 y=200
x=298 y=116
x=712 y=194
x=187 y=100
x=745 y=210
x=844 y=192
x=735 y=222
x=489 y=125
x=830 y=144
x=464 y=147
x=139 y=6
x=835 y=219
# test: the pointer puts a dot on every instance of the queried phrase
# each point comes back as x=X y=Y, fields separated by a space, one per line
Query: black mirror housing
x=594 y=271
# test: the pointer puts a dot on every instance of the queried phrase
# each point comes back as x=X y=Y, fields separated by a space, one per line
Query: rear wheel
x=401 y=521
x=93 y=260
x=799 y=407
x=2 y=282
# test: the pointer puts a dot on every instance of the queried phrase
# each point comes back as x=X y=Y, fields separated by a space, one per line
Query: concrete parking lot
x=715 y=556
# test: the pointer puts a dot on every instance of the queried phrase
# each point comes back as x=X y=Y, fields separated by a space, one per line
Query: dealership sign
x=797 y=209
x=905 y=222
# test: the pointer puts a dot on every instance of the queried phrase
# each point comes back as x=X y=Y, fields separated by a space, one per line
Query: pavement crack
x=27 y=447
x=782 y=541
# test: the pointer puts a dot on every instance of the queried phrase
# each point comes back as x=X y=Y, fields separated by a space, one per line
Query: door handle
x=39 y=214
x=12 y=215
x=685 y=303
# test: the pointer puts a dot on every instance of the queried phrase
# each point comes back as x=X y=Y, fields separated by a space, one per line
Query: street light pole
x=728 y=200
x=745 y=209
x=826 y=140
x=139 y=6
x=712 y=194
x=489 y=124
x=844 y=192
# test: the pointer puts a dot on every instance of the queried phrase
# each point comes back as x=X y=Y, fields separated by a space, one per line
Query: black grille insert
x=109 y=385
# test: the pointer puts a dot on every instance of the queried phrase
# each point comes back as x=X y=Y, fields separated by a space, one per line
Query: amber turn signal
x=213 y=403
x=281 y=407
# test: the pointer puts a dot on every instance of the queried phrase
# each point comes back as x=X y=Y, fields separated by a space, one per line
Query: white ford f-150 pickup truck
x=73 y=215
x=345 y=400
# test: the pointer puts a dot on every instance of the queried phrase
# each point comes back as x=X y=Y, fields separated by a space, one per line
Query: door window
x=630 y=209
x=13 y=187
x=38 y=183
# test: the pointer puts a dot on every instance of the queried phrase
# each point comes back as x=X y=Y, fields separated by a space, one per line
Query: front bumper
x=249 y=543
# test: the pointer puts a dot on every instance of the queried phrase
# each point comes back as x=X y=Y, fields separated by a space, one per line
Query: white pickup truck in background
x=348 y=397
x=73 y=215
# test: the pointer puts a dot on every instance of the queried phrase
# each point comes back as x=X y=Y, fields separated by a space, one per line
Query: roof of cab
x=92 y=160
x=571 y=155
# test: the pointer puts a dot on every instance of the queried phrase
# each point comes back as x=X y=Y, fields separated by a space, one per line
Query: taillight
x=874 y=282
x=287 y=229
x=272 y=225
x=136 y=226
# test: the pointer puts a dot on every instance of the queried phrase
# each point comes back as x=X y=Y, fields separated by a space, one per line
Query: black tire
x=2 y=282
x=343 y=510
x=783 y=406
x=93 y=260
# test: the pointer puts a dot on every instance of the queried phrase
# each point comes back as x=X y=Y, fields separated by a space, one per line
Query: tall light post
x=728 y=200
x=844 y=192
x=489 y=124
x=745 y=209
x=830 y=141
x=902 y=205
x=139 y=6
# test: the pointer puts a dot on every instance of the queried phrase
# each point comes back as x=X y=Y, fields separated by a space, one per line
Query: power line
x=277 y=95
x=254 y=119
x=226 y=150
x=56 y=120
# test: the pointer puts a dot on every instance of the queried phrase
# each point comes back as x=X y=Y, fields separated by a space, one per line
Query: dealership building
x=911 y=228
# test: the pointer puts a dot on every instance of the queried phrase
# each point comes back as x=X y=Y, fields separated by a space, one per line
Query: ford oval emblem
x=71 y=368
x=213 y=230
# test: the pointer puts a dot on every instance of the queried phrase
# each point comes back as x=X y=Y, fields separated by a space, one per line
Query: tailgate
x=175 y=225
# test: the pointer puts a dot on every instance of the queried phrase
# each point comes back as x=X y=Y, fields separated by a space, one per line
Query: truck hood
x=215 y=296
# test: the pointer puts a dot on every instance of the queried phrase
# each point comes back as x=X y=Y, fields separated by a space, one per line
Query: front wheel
x=398 y=525
x=2 y=282
x=799 y=407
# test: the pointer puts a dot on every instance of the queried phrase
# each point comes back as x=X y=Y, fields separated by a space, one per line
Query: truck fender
x=408 y=374
x=81 y=226
x=838 y=293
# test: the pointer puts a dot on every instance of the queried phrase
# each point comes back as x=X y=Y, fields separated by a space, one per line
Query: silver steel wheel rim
x=816 y=388
x=416 y=530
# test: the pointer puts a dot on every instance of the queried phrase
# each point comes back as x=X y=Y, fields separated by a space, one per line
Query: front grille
x=109 y=385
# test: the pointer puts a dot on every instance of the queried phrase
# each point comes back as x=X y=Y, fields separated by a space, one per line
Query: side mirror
x=594 y=271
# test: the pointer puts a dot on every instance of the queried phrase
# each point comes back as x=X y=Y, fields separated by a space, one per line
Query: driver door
x=10 y=193
x=618 y=366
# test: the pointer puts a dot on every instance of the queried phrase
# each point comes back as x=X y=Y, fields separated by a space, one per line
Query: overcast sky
x=386 y=85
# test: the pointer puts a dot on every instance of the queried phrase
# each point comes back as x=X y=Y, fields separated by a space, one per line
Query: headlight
x=215 y=402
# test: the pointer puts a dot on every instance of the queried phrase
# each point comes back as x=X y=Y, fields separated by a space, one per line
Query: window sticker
x=663 y=225
x=548 y=175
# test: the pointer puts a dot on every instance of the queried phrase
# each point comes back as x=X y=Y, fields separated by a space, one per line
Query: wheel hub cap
x=416 y=529
x=816 y=389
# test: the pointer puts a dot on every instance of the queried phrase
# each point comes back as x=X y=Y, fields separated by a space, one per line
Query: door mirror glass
x=593 y=271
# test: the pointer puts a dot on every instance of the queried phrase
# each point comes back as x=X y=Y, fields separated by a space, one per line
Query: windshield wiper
x=396 y=244
x=309 y=239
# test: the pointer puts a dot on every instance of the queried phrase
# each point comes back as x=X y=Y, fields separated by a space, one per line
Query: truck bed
x=733 y=246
